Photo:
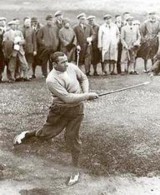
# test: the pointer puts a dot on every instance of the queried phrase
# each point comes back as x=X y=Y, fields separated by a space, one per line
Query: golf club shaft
x=123 y=89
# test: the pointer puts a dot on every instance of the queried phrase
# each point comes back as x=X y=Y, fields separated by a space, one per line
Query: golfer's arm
x=82 y=78
x=69 y=98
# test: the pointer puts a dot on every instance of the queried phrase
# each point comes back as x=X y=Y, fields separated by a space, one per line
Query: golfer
x=69 y=87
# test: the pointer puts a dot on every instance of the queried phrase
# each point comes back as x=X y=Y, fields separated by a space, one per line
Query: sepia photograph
x=79 y=97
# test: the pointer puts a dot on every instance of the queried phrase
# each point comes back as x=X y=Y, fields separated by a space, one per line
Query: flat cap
x=136 y=22
x=58 y=13
x=49 y=17
x=129 y=18
x=34 y=19
x=91 y=17
x=107 y=16
x=12 y=22
x=82 y=15
x=152 y=13
x=3 y=19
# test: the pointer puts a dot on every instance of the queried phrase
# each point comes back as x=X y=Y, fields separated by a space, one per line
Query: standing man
x=125 y=16
x=149 y=31
x=59 y=22
x=13 y=42
x=30 y=46
x=65 y=81
x=36 y=26
x=119 y=23
x=130 y=38
x=85 y=35
x=68 y=41
x=108 y=38
x=96 y=55
x=2 y=63
x=48 y=42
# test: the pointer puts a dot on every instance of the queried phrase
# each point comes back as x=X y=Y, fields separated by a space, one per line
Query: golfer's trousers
x=64 y=118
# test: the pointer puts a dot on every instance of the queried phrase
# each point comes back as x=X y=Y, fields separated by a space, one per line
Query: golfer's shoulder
x=51 y=78
x=72 y=67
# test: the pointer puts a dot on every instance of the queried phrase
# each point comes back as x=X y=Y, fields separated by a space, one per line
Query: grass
x=119 y=132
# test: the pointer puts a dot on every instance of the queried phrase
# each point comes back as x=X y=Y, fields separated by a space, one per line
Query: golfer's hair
x=54 y=56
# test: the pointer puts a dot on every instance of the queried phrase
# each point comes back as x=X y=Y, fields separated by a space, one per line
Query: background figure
x=108 y=38
x=36 y=26
x=68 y=40
x=130 y=38
x=85 y=35
x=13 y=43
x=125 y=16
x=48 y=42
x=2 y=63
x=149 y=46
x=30 y=46
x=119 y=23
x=96 y=54
x=59 y=22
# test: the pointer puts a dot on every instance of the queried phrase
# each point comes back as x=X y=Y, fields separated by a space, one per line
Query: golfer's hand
x=92 y=96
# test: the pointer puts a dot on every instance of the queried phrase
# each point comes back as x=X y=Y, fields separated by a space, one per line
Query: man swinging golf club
x=69 y=87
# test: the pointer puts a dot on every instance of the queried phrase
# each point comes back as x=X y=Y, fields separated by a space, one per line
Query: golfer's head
x=60 y=61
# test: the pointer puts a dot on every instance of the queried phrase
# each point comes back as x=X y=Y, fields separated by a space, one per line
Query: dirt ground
x=120 y=134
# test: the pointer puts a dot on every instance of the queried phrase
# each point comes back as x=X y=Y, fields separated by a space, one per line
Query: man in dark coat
x=149 y=44
x=85 y=35
x=2 y=64
x=36 y=26
x=68 y=40
x=96 y=54
x=48 y=42
x=30 y=45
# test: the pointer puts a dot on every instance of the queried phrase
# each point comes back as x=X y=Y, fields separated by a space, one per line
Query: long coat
x=68 y=42
x=96 y=54
x=30 y=40
x=8 y=42
x=82 y=34
x=149 y=31
x=48 y=41
x=108 y=37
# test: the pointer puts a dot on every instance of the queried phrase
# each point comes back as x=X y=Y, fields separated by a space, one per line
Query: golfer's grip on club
x=92 y=95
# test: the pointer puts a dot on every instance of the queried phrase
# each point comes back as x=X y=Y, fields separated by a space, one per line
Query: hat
x=82 y=15
x=3 y=18
x=48 y=17
x=34 y=19
x=91 y=17
x=58 y=13
x=12 y=22
x=136 y=22
x=152 y=13
x=129 y=18
x=107 y=16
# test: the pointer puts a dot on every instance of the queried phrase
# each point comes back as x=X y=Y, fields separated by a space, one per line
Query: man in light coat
x=13 y=42
x=108 y=38
x=130 y=38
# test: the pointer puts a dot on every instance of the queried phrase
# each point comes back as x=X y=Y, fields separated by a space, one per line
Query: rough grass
x=120 y=132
